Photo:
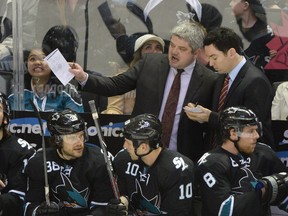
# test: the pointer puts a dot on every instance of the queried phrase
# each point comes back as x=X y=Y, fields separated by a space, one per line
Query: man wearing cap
x=153 y=76
x=123 y=104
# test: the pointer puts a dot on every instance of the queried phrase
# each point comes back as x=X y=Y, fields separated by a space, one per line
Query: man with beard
x=241 y=176
x=77 y=175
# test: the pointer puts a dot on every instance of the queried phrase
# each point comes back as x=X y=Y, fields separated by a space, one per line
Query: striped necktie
x=223 y=93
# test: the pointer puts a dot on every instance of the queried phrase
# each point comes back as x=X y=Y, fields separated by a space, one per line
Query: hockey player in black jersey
x=241 y=177
x=14 y=154
x=155 y=180
x=77 y=175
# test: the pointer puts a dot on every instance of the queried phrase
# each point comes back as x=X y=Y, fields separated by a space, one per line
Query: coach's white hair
x=192 y=32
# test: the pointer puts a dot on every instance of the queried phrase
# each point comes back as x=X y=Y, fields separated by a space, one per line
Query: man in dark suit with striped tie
x=248 y=86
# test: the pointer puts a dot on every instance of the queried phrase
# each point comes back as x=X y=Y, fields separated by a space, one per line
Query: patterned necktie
x=170 y=109
x=222 y=97
x=223 y=93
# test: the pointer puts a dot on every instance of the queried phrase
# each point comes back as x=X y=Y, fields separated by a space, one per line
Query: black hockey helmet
x=65 y=122
x=238 y=117
x=143 y=128
x=6 y=107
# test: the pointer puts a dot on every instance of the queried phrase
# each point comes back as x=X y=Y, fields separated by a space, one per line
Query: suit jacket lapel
x=162 y=70
x=194 y=84
x=237 y=81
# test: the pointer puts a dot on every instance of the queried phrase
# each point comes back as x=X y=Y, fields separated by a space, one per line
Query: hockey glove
x=45 y=210
x=117 y=207
x=276 y=188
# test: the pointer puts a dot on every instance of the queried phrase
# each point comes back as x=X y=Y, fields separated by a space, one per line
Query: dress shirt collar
x=236 y=70
x=188 y=70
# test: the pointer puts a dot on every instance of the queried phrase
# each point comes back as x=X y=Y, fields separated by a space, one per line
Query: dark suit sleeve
x=214 y=120
x=115 y=85
x=259 y=97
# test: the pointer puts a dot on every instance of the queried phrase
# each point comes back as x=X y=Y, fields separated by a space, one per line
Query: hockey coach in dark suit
x=247 y=85
x=153 y=77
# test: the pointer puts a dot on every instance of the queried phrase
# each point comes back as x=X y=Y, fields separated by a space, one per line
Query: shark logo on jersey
x=142 y=204
x=67 y=170
x=246 y=182
x=144 y=177
x=254 y=58
x=69 y=195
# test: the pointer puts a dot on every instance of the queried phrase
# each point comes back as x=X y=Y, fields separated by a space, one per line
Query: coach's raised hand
x=79 y=73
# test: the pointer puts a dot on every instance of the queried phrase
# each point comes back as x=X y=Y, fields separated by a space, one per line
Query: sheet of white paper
x=59 y=66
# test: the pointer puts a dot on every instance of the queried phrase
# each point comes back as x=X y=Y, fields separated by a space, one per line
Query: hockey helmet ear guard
x=65 y=122
x=143 y=128
x=238 y=117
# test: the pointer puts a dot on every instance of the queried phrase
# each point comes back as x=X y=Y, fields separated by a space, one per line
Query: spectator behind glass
x=6 y=44
x=65 y=38
x=44 y=89
x=279 y=108
x=123 y=104
x=211 y=19
x=28 y=19
x=251 y=19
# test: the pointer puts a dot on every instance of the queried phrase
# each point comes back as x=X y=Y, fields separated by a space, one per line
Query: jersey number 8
x=209 y=179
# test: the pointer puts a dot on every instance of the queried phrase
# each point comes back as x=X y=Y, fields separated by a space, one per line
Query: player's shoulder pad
x=21 y=143
x=93 y=147
x=264 y=150
x=261 y=146
x=171 y=161
x=95 y=151
x=122 y=155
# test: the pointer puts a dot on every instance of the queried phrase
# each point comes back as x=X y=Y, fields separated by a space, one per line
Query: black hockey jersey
x=14 y=154
x=227 y=181
x=258 y=36
x=76 y=185
x=165 y=188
